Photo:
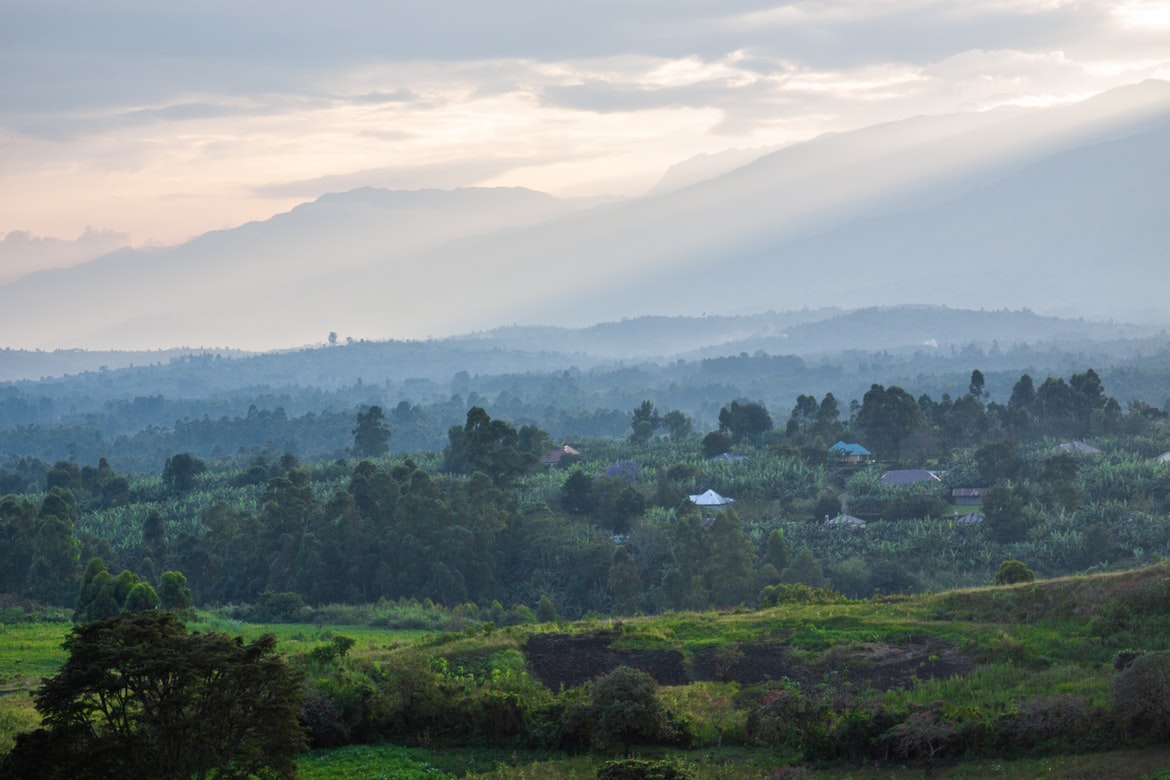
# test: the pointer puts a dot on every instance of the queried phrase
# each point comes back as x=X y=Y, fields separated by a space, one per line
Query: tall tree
x=746 y=420
x=644 y=423
x=677 y=425
x=887 y=417
x=180 y=471
x=371 y=435
x=140 y=697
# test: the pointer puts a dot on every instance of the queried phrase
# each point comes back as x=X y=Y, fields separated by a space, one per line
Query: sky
x=134 y=122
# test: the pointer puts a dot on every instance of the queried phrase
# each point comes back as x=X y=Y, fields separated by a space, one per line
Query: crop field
x=30 y=651
x=391 y=762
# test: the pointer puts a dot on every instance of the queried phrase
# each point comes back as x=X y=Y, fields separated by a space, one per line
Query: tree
x=1006 y=511
x=644 y=423
x=174 y=595
x=715 y=444
x=804 y=415
x=678 y=425
x=1023 y=394
x=577 y=493
x=140 y=697
x=371 y=436
x=180 y=471
x=624 y=709
x=487 y=445
x=887 y=417
x=977 y=388
x=744 y=420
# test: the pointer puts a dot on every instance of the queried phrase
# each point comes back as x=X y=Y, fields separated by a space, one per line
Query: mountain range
x=1061 y=210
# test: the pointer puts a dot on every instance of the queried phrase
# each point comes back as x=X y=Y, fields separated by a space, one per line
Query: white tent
x=710 y=498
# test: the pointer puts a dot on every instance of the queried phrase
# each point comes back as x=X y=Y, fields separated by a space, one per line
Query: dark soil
x=569 y=660
x=563 y=660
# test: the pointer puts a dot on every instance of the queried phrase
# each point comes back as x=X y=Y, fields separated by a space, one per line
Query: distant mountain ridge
x=820 y=334
x=1059 y=210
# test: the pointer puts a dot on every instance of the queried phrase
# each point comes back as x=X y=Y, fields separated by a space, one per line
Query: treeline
x=135 y=418
x=611 y=530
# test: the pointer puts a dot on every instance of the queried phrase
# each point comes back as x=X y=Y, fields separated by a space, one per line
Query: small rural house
x=727 y=457
x=553 y=458
x=844 y=519
x=967 y=496
x=850 y=452
x=1078 y=446
x=710 y=499
x=907 y=477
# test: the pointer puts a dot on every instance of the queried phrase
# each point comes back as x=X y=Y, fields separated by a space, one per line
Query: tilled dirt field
x=568 y=660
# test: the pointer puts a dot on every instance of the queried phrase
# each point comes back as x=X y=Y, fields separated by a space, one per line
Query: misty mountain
x=1081 y=234
x=825 y=335
x=1055 y=209
x=124 y=299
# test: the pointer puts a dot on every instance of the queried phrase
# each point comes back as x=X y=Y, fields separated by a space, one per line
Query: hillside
x=1009 y=208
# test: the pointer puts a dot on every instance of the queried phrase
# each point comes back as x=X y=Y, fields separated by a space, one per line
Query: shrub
x=789 y=719
x=638 y=769
x=1141 y=695
x=622 y=709
x=1012 y=572
x=924 y=736
x=1055 y=723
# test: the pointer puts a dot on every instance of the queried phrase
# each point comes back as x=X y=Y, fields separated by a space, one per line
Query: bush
x=622 y=709
x=1141 y=695
x=637 y=769
x=1054 y=723
x=1012 y=572
x=789 y=719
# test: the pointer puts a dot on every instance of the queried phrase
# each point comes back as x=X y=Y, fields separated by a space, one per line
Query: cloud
x=22 y=253
x=107 y=109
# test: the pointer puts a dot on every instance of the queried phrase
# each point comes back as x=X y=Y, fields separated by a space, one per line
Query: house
x=907 y=477
x=727 y=457
x=850 y=452
x=971 y=517
x=710 y=498
x=844 y=519
x=967 y=496
x=1164 y=457
x=553 y=458
x=1078 y=446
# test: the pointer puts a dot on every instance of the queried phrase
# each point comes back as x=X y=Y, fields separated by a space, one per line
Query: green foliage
x=1141 y=695
x=486 y=445
x=643 y=769
x=139 y=697
x=367 y=762
x=715 y=443
x=174 y=595
x=621 y=709
x=181 y=472
x=1013 y=572
x=744 y=421
x=371 y=435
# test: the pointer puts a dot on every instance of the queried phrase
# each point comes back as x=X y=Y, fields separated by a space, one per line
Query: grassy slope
x=1017 y=642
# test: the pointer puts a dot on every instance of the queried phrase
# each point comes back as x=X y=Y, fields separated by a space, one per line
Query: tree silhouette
x=140 y=697
x=371 y=436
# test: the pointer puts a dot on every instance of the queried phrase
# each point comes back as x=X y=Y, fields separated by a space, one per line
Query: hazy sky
x=155 y=121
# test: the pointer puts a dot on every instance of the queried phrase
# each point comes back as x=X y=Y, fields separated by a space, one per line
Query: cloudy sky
x=135 y=121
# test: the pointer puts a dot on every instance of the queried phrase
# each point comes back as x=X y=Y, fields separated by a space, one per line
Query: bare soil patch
x=569 y=660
